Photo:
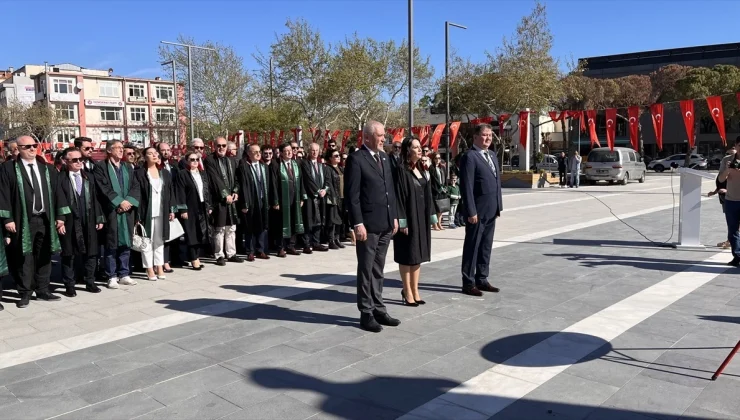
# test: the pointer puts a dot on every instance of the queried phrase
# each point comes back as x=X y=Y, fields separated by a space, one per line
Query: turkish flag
x=438 y=130
x=715 y=109
x=634 y=120
x=415 y=132
x=591 y=116
x=281 y=137
x=554 y=115
x=579 y=115
x=347 y=133
x=398 y=134
x=687 y=110
x=611 y=125
x=424 y=134
x=657 y=112
x=523 y=128
x=272 y=139
x=453 y=133
x=501 y=122
x=359 y=139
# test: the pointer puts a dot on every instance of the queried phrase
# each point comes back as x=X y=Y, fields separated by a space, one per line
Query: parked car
x=660 y=165
x=620 y=165
x=549 y=164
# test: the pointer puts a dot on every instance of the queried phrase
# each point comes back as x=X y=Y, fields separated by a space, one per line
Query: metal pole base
x=726 y=362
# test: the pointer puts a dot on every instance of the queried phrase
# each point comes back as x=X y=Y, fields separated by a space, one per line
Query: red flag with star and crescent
x=611 y=125
x=687 y=110
x=454 y=126
x=715 y=110
x=656 y=110
x=523 y=127
x=591 y=123
x=633 y=113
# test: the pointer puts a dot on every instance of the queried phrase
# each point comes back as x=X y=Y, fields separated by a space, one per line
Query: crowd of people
x=282 y=201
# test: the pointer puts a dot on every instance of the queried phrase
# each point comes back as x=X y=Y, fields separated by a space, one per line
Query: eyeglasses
x=193 y=159
x=28 y=146
x=221 y=146
x=198 y=147
x=87 y=149
x=396 y=147
x=130 y=154
x=74 y=160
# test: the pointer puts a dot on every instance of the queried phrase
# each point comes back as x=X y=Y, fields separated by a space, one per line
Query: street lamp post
x=190 y=79
x=447 y=88
x=411 y=65
x=174 y=92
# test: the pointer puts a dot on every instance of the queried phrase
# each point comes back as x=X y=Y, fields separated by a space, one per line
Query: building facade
x=99 y=105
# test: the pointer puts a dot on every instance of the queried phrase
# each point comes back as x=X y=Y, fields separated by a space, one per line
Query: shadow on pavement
x=503 y=350
x=657 y=264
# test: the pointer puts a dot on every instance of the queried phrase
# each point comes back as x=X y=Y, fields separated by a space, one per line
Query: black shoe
x=333 y=245
x=320 y=248
x=25 y=300
x=47 y=296
x=421 y=302
x=70 y=291
x=339 y=244
x=168 y=270
x=2 y=308
x=735 y=262
x=488 y=288
x=235 y=259
x=221 y=261
x=472 y=291
x=92 y=288
x=406 y=302
x=385 y=319
x=368 y=323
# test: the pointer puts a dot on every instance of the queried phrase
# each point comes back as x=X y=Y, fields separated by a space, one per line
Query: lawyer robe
x=112 y=190
x=81 y=236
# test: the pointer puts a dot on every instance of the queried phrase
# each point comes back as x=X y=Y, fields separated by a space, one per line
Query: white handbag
x=176 y=230
x=141 y=242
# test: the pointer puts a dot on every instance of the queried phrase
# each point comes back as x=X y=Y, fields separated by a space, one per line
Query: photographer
x=729 y=171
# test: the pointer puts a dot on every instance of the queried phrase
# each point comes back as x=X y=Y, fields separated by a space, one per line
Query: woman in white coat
x=575 y=170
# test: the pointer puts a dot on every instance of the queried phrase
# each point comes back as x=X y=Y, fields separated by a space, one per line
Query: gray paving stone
x=273 y=357
x=426 y=324
x=653 y=397
x=113 y=386
x=460 y=365
x=7 y=397
x=137 y=342
x=462 y=311
x=19 y=373
x=636 y=347
x=507 y=343
x=693 y=412
x=55 y=383
x=190 y=328
x=706 y=344
x=186 y=363
x=682 y=369
x=80 y=357
x=325 y=339
x=140 y=358
x=192 y=384
x=42 y=408
x=278 y=407
x=388 y=339
x=265 y=339
x=123 y=407
x=340 y=408
x=221 y=352
x=720 y=396
x=328 y=361
x=205 y=406
x=207 y=339
x=396 y=361
x=607 y=371
x=246 y=392
x=442 y=342
x=346 y=383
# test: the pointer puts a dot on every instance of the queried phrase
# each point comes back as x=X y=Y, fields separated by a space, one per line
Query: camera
x=735 y=164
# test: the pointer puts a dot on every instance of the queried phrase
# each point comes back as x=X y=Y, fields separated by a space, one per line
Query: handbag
x=176 y=230
x=141 y=243
x=443 y=205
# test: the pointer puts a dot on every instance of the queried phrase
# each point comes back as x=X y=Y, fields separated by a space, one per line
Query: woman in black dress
x=416 y=214
x=192 y=188
x=334 y=197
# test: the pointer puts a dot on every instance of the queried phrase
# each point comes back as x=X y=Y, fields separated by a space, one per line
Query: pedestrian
x=562 y=169
x=575 y=170
x=454 y=190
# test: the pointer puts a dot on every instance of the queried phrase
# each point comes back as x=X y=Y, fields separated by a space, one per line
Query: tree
x=284 y=116
x=221 y=85
x=38 y=121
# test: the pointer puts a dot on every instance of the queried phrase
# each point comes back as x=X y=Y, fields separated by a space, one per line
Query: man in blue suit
x=371 y=204
x=480 y=187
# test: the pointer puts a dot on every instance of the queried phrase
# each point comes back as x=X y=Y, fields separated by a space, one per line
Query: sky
x=125 y=35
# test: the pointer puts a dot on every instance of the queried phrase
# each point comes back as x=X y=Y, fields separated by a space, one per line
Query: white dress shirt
x=198 y=180
x=37 y=174
x=156 y=201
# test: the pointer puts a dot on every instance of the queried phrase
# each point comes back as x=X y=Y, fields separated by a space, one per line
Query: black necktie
x=38 y=205
x=377 y=159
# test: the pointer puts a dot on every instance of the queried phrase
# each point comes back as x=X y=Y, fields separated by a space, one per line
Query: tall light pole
x=272 y=106
x=190 y=79
x=174 y=92
x=447 y=88
x=411 y=65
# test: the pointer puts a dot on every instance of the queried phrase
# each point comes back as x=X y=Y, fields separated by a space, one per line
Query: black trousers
x=256 y=242
x=287 y=243
x=34 y=270
x=370 y=265
x=331 y=232
x=563 y=176
x=241 y=233
x=312 y=237
x=194 y=252
x=477 y=252
x=79 y=266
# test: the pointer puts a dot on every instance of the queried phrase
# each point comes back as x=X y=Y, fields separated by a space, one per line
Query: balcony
x=64 y=97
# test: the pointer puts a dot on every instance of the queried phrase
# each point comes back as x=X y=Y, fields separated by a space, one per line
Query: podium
x=689 y=209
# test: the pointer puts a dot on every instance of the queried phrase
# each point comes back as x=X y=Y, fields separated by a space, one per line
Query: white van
x=620 y=165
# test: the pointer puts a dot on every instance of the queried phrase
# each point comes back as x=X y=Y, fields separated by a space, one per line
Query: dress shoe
x=292 y=251
x=250 y=257
x=281 y=254
x=262 y=256
x=472 y=291
x=735 y=262
x=385 y=319
x=2 y=308
x=333 y=245
x=235 y=259
x=198 y=268
x=168 y=270
x=70 y=291
x=406 y=302
x=488 y=288
x=48 y=296
x=368 y=323
x=307 y=250
x=339 y=244
x=221 y=261
x=23 y=303
x=320 y=248
x=92 y=288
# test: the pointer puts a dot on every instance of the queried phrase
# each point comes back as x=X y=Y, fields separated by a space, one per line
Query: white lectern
x=689 y=213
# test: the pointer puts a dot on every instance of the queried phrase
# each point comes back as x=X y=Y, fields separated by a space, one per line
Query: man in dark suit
x=371 y=202
x=86 y=148
x=32 y=211
x=480 y=187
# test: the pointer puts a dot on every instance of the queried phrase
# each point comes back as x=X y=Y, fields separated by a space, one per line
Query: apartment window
x=165 y=115
x=138 y=114
x=66 y=112
x=110 y=114
x=109 y=89
x=138 y=137
x=136 y=91
x=167 y=136
x=63 y=86
x=110 y=134
x=163 y=92
x=66 y=135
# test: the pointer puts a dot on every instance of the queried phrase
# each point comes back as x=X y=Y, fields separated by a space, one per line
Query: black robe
x=110 y=200
x=196 y=226
x=16 y=200
x=288 y=221
x=439 y=182
x=257 y=217
x=81 y=237
x=168 y=203
x=415 y=211
x=222 y=184
x=314 y=209
x=333 y=198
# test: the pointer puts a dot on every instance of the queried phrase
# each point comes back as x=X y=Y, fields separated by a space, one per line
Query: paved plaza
x=592 y=322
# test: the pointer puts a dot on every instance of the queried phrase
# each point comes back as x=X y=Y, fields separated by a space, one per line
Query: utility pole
x=411 y=65
x=447 y=87
x=271 y=101
x=174 y=92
